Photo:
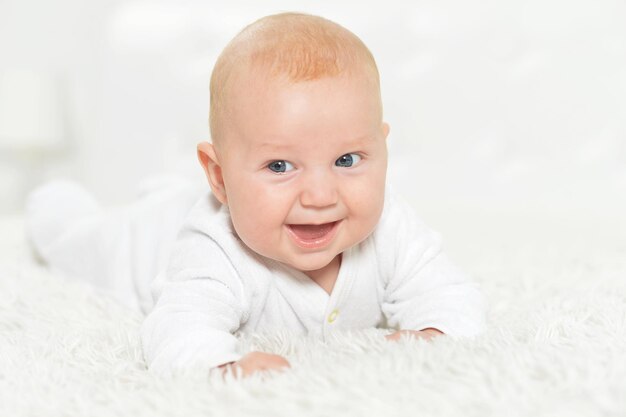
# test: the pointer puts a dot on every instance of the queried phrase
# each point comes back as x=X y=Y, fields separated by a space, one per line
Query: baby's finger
x=277 y=361
x=393 y=336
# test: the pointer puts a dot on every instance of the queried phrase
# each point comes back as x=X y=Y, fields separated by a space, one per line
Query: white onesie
x=214 y=286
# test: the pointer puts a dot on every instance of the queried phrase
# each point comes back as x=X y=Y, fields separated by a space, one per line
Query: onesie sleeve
x=201 y=303
x=423 y=288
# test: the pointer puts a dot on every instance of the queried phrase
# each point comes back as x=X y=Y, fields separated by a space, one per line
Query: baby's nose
x=319 y=191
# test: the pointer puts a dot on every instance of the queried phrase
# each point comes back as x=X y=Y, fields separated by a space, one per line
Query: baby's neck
x=326 y=276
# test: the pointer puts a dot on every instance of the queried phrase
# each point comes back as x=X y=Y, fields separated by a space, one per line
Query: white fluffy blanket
x=556 y=345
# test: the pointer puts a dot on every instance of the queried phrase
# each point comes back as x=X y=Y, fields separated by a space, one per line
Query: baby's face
x=304 y=167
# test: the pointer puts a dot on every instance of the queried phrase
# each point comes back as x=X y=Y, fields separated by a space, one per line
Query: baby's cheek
x=251 y=237
x=254 y=230
x=372 y=211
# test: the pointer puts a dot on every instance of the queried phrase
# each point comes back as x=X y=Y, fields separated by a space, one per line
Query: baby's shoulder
x=397 y=214
x=206 y=238
x=400 y=224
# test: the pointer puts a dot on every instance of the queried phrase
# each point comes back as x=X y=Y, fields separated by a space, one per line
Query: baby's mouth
x=312 y=235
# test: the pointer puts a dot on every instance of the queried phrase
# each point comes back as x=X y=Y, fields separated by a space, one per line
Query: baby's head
x=299 y=145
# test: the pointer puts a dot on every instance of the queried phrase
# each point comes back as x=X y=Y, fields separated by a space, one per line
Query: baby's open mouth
x=312 y=235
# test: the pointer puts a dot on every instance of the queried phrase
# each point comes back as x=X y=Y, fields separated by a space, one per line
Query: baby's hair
x=297 y=47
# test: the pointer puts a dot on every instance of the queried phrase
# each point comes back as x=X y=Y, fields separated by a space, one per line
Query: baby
x=304 y=235
x=307 y=238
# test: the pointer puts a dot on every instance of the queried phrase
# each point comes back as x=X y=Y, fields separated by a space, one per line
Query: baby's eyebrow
x=363 y=140
x=279 y=146
x=271 y=149
x=270 y=146
x=358 y=142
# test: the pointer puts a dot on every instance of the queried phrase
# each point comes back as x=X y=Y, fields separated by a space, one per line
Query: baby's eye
x=280 y=166
x=347 y=160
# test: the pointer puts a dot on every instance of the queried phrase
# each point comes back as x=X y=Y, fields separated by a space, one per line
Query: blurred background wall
x=493 y=105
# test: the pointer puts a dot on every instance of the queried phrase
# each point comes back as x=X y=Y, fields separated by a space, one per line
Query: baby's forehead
x=288 y=47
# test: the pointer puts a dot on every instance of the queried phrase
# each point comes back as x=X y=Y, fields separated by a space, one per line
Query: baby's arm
x=193 y=337
x=423 y=290
x=191 y=327
x=202 y=302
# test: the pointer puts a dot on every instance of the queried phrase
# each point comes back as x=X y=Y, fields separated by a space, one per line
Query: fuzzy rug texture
x=555 y=346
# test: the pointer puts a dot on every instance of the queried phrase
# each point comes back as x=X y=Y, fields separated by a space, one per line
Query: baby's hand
x=422 y=334
x=255 y=362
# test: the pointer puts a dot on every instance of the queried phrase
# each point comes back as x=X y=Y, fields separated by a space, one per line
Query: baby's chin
x=312 y=263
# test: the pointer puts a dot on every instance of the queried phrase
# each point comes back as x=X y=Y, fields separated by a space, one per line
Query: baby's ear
x=385 y=130
x=211 y=165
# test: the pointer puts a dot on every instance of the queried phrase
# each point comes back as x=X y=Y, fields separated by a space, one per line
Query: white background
x=493 y=105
